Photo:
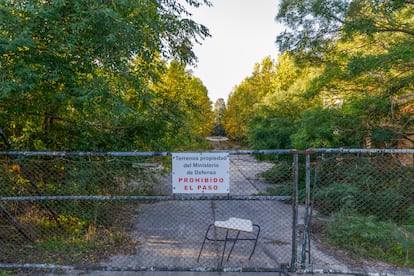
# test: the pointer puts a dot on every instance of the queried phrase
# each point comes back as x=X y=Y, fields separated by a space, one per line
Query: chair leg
x=204 y=241
x=224 y=247
x=255 y=242
x=225 y=242
x=234 y=243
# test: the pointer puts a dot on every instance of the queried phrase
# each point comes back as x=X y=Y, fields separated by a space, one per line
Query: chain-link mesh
x=118 y=212
x=343 y=211
x=363 y=211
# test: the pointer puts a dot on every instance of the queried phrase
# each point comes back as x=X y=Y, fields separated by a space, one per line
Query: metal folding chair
x=232 y=224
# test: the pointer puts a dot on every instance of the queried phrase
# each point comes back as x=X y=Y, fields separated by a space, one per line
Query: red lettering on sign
x=200 y=180
x=207 y=187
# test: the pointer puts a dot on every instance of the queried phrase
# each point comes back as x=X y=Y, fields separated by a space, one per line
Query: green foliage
x=336 y=197
x=344 y=79
x=370 y=204
x=280 y=177
x=280 y=173
x=370 y=237
x=311 y=26
x=385 y=205
x=74 y=240
x=404 y=236
x=368 y=187
x=76 y=75
x=219 y=111
x=83 y=229
x=218 y=130
x=410 y=214
x=325 y=128
x=183 y=115
x=271 y=133
x=75 y=177
x=244 y=98
x=364 y=52
x=282 y=190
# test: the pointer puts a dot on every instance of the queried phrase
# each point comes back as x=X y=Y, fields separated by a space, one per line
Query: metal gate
x=320 y=210
x=116 y=211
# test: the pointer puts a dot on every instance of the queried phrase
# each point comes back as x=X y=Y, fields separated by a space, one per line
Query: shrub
x=372 y=238
x=278 y=174
x=333 y=198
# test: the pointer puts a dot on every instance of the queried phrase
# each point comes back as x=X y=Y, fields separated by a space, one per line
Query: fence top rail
x=231 y=152
x=133 y=153
x=348 y=150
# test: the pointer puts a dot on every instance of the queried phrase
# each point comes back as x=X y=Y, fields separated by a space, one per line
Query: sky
x=243 y=33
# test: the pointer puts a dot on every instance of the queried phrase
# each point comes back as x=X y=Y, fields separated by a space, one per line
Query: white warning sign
x=200 y=172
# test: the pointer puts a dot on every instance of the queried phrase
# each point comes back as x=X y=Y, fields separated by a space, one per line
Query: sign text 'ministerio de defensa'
x=200 y=172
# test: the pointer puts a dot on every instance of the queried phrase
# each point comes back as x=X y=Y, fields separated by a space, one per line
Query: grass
x=72 y=241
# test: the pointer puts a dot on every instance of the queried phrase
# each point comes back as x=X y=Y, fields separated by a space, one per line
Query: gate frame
x=296 y=265
x=284 y=267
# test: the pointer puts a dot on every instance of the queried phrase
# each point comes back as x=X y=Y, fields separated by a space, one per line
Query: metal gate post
x=305 y=240
x=295 y=202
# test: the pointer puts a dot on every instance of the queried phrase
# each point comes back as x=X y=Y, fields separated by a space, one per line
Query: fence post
x=295 y=203
x=305 y=239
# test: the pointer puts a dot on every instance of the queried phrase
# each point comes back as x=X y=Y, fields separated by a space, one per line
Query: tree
x=365 y=48
x=73 y=73
x=219 y=110
x=275 y=116
x=326 y=128
x=312 y=25
x=181 y=110
x=244 y=98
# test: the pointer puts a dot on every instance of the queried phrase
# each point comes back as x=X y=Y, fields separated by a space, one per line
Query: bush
x=372 y=238
x=338 y=196
x=278 y=174
x=370 y=186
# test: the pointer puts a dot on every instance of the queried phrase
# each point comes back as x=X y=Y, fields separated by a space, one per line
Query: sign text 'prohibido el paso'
x=200 y=172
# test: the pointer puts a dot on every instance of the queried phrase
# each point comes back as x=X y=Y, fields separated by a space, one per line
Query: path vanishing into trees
x=169 y=233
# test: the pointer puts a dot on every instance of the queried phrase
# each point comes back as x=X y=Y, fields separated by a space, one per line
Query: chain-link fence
x=316 y=210
x=359 y=211
x=117 y=211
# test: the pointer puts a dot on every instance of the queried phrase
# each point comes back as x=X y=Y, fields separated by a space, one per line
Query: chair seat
x=237 y=224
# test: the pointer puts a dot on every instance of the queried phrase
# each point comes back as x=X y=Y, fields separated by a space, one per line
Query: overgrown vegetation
x=74 y=231
x=344 y=79
x=365 y=203
x=370 y=204
x=111 y=76
x=88 y=234
x=100 y=76
x=370 y=237
x=279 y=178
